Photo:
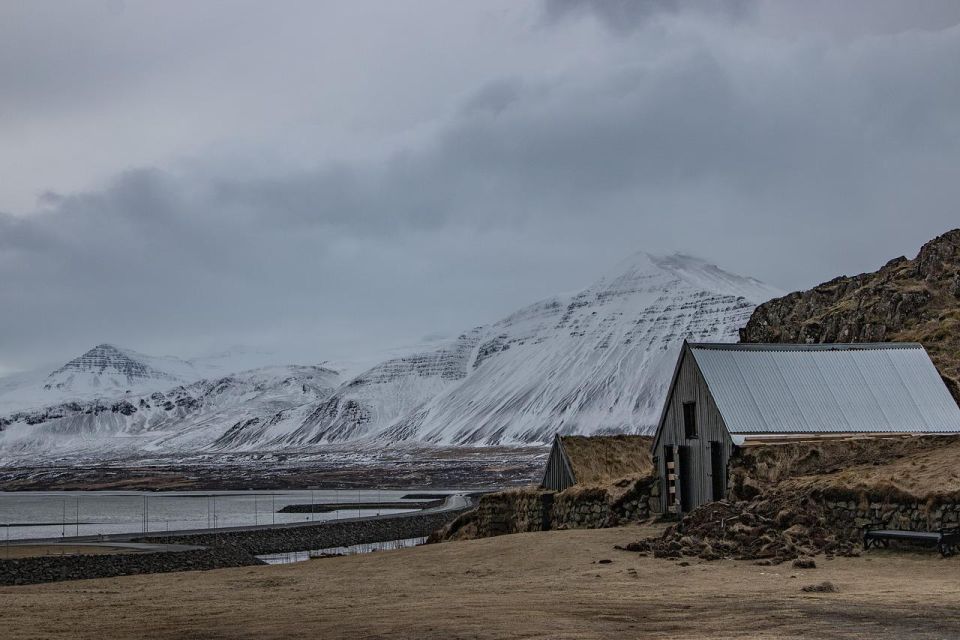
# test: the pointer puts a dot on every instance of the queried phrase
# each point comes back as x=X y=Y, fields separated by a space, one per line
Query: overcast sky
x=329 y=178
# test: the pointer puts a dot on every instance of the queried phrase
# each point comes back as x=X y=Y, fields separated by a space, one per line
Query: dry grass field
x=537 y=585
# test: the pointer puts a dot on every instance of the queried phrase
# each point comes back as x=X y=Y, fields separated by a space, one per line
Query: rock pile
x=773 y=529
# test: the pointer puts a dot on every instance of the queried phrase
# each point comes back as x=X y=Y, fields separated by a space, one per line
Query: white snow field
x=597 y=361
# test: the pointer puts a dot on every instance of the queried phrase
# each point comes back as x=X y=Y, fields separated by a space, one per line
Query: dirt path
x=540 y=585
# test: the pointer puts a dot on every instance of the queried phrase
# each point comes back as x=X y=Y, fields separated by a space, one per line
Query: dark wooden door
x=718 y=470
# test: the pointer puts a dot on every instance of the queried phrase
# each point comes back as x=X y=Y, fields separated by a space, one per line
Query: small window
x=690 y=419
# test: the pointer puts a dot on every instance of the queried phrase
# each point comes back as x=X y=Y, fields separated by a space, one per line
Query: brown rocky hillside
x=904 y=301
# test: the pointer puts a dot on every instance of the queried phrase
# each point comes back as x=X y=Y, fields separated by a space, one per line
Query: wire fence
x=94 y=514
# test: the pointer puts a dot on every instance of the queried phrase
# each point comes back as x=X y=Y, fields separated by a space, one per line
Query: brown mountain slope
x=904 y=301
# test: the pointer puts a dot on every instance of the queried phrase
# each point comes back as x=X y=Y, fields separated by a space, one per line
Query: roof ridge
x=785 y=346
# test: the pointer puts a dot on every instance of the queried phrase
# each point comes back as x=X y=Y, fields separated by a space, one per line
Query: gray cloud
x=792 y=159
x=847 y=19
x=623 y=16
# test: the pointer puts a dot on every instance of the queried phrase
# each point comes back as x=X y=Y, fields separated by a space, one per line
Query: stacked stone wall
x=851 y=514
x=522 y=511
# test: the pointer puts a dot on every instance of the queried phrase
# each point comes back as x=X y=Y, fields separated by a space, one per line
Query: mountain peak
x=106 y=361
x=690 y=270
x=107 y=348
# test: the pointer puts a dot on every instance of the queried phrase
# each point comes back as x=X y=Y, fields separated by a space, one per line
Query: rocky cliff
x=905 y=300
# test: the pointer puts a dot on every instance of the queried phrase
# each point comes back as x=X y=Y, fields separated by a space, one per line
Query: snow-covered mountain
x=104 y=371
x=591 y=362
x=108 y=371
x=183 y=418
x=107 y=368
x=596 y=361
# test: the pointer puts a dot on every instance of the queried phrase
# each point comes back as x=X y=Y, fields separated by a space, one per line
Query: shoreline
x=424 y=469
x=222 y=548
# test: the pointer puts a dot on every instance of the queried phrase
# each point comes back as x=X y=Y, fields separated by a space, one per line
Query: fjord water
x=54 y=514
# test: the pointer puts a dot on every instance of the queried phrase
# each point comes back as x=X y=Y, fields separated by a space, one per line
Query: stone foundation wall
x=521 y=511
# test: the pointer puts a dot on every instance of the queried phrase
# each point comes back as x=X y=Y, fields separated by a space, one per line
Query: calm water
x=50 y=514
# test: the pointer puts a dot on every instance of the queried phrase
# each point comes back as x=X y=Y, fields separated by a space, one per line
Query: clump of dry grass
x=605 y=460
x=925 y=474
x=910 y=469
x=910 y=465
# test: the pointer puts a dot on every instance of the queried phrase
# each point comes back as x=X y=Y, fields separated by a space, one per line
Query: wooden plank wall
x=558 y=475
x=691 y=387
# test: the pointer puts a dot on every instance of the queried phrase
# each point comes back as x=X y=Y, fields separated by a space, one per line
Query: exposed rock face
x=904 y=301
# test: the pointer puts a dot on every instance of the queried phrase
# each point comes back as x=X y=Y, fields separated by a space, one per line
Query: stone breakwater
x=320 y=536
x=80 y=567
x=353 y=506
x=520 y=511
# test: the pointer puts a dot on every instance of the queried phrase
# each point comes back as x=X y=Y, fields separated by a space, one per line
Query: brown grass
x=548 y=585
x=930 y=474
x=914 y=468
x=603 y=460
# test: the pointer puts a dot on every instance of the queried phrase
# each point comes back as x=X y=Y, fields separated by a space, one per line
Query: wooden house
x=724 y=396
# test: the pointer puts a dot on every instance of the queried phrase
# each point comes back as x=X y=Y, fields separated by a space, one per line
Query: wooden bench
x=945 y=539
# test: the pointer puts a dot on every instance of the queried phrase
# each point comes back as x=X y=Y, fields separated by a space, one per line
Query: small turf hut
x=596 y=460
x=724 y=396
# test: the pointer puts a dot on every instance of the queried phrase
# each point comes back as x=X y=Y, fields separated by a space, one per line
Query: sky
x=322 y=179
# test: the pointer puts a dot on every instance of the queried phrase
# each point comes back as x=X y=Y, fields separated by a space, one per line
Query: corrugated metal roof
x=854 y=388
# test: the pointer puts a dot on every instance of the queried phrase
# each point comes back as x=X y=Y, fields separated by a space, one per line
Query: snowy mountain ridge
x=595 y=361
x=182 y=418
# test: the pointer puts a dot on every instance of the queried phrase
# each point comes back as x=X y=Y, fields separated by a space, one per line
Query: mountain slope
x=596 y=361
x=905 y=300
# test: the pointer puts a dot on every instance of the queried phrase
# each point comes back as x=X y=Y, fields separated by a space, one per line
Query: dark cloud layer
x=786 y=156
